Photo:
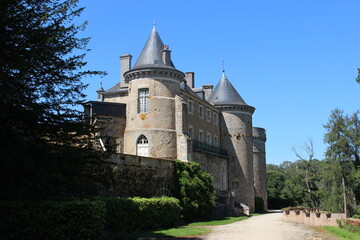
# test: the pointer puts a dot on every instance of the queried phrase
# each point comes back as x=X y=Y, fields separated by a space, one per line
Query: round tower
x=259 y=157
x=150 y=113
x=236 y=135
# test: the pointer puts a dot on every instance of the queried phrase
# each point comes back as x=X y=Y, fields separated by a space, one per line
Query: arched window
x=142 y=146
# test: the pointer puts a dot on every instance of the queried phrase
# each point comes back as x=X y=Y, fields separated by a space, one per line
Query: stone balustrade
x=312 y=218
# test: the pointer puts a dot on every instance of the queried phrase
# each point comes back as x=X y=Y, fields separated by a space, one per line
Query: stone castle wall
x=216 y=165
x=259 y=158
x=237 y=132
x=158 y=124
x=127 y=176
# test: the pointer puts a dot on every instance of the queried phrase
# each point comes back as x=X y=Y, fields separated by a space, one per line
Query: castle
x=156 y=111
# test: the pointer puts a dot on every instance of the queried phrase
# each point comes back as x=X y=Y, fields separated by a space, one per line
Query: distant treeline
x=332 y=184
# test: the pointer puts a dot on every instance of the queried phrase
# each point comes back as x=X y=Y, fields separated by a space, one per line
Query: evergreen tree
x=41 y=68
x=343 y=138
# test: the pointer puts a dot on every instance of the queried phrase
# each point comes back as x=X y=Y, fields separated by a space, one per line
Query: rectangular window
x=201 y=111
x=190 y=106
x=216 y=141
x=208 y=115
x=215 y=118
x=201 y=136
x=143 y=98
x=191 y=132
x=208 y=138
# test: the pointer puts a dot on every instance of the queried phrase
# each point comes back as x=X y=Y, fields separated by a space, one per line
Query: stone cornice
x=241 y=108
x=153 y=73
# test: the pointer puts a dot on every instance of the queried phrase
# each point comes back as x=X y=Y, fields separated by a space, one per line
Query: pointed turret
x=152 y=53
x=236 y=135
x=151 y=109
x=154 y=56
x=225 y=93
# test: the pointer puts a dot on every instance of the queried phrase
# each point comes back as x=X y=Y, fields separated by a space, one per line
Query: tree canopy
x=41 y=70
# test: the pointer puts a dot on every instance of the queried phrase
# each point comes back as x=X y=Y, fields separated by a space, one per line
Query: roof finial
x=101 y=87
x=154 y=24
x=223 y=66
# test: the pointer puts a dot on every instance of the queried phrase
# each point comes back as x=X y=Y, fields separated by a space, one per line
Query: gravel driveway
x=266 y=227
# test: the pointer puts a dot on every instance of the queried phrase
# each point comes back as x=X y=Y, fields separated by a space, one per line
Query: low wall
x=312 y=219
x=127 y=176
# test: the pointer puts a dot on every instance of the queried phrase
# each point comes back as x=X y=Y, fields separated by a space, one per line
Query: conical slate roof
x=225 y=94
x=151 y=55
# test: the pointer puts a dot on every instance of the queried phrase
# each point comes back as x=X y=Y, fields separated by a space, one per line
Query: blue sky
x=293 y=60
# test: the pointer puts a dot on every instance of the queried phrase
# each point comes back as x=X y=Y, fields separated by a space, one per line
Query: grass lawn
x=221 y=221
x=342 y=234
x=166 y=233
x=183 y=231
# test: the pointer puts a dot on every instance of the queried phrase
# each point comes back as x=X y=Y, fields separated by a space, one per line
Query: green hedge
x=133 y=214
x=85 y=219
x=78 y=220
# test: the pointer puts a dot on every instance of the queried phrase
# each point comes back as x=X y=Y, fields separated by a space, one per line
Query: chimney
x=166 y=55
x=125 y=65
x=208 y=90
x=100 y=93
x=190 y=79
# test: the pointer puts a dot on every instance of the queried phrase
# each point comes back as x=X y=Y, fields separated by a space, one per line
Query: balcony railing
x=209 y=148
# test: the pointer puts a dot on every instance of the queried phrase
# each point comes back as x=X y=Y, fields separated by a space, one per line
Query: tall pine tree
x=41 y=70
x=343 y=139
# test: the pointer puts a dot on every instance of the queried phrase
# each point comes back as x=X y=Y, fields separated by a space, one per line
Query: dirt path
x=266 y=227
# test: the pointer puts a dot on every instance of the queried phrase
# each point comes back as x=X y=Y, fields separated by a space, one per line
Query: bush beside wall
x=69 y=220
x=133 y=214
x=195 y=190
x=85 y=219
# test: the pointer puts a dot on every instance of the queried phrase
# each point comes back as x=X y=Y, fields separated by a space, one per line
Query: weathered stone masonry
x=156 y=111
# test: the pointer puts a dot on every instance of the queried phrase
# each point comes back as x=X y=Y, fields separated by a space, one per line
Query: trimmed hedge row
x=52 y=220
x=133 y=214
x=85 y=219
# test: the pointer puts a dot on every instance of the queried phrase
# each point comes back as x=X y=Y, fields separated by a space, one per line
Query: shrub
x=71 y=220
x=350 y=225
x=131 y=214
x=195 y=190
